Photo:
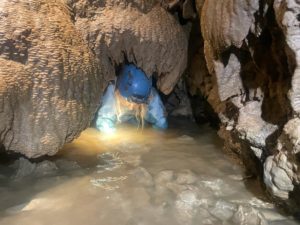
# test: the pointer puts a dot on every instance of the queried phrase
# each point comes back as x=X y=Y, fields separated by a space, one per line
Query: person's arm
x=106 y=115
x=156 y=112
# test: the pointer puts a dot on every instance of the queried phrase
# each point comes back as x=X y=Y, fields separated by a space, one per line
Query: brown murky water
x=136 y=178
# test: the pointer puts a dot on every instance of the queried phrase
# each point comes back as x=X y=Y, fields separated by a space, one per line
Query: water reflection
x=138 y=177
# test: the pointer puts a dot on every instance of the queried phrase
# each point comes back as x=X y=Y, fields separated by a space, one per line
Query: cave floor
x=135 y=177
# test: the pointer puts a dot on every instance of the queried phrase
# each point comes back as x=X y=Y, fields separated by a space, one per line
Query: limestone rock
x=49 y=86
x=223 y=210
x=248 y=216
x=186 y=177
x=178 y=102
x=250 y=79
x=221 y=18
x=291 y=133
x=252 y=127
x=45 y=168
x=67 y=165
x=281 y=169
x=57 y=56
x=287 y=16
x=277 y=179
x=164 y=177
x=24 y=168
x=120 y=30
x=143 y=176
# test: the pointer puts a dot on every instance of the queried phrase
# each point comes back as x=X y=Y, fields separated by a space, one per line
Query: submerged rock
x=143 y=176
x=186 y=177
x=45 y=168
x=25 y=168
x=223 y=210
x=164 y=177
x=186 y=206
x=248 y=216
x=66 y=165
x=285 y=222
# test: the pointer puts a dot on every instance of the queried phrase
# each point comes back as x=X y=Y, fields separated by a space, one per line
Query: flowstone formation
x=143 y=32
x=49 y=82
x=247 y=67
x=56 y=58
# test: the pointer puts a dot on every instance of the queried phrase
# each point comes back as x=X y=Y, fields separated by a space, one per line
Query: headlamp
x=106 y=128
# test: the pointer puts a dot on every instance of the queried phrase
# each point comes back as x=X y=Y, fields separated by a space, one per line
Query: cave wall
x=57 y=56
x=247 y=68
x=49 y=80
x=143 y=32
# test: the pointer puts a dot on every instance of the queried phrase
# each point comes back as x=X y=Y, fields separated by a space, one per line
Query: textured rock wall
x=49 y=82
x=247 y=67
x=56 y=57
x=140 y=31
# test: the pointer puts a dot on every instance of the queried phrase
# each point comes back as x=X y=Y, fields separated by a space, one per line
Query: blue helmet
x=133 y=84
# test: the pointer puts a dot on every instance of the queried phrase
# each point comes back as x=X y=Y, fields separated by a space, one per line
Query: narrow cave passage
x=226 y=74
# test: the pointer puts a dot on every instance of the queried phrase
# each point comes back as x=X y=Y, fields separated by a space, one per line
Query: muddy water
x=134 y=178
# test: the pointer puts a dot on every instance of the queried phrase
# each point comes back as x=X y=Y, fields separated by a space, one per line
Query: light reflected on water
x=135 y=177
x=91 y=141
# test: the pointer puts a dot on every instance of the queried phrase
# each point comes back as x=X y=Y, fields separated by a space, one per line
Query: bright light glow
x=91 y=141
x=108 y=130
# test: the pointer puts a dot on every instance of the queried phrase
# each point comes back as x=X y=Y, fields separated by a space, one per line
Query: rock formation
x=49 y=86
x=138 y=31
x=56 y=57
x=249 y=73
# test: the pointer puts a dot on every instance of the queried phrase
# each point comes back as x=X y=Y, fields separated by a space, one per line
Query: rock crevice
x=251 y=50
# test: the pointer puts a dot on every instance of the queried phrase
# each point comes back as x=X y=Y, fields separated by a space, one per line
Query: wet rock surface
x=49 y=83
x=24 y=168
x=159 y=188
x=249 y=77
x=140 y=33
x=57 y=57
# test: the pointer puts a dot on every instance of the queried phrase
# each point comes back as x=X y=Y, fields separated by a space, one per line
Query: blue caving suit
x=107 y=114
